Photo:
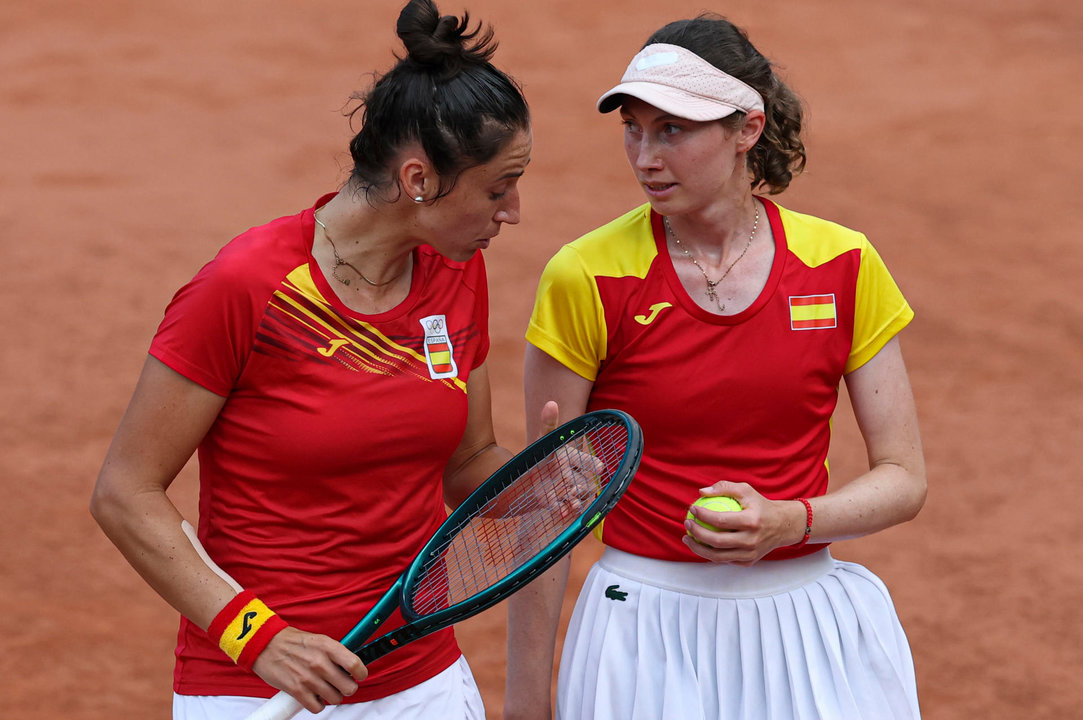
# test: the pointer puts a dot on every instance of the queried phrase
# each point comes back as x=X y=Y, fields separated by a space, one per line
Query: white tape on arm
x=191 y=533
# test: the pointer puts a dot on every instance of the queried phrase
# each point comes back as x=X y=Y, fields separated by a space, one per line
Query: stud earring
x=419 y=198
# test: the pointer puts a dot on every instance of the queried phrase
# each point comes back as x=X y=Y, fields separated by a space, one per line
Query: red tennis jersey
x=322 y=476
x=744 y=398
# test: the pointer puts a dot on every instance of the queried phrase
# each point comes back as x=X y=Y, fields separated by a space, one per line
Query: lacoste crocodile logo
x=655 y=309
x=613 y=592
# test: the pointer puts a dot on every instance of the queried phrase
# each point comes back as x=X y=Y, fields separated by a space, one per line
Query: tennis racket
x=513 y=527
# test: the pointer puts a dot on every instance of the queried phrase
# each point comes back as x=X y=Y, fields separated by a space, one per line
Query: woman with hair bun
x=329 y=370
x=724 y=323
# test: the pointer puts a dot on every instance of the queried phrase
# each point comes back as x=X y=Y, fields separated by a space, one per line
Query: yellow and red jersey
x=322 y=476
x=745 y=397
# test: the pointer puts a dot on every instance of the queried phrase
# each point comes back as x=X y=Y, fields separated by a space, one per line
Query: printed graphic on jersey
x=655 y=309
x=334 y=345
x=438 y=351
x=812 y=312
x=300 y=326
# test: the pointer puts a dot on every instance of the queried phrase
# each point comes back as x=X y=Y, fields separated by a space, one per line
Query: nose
x=508 y=212
x=643 y=153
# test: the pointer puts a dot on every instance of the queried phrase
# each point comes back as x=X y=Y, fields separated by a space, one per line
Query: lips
x=656 y=189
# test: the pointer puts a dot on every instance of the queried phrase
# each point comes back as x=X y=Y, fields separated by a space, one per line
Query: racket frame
x=396 y=597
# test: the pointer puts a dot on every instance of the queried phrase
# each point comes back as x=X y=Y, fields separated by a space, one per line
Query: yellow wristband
x=244 y=627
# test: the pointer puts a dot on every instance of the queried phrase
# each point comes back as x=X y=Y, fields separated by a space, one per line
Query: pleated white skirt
x=812 y=638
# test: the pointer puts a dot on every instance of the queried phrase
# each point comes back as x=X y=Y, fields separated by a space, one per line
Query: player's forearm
x=886 y=495
x=473 y=471
x=149 y=531
x=893 y=490
x=146 y=528
x=533 y=617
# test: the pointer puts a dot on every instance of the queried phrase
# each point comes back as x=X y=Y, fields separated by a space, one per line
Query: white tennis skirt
x=812 y=638
x=452 y=694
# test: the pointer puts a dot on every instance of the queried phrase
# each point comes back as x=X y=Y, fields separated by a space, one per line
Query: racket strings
x=530 y=513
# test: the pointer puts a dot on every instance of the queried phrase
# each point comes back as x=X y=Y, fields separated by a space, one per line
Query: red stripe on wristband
x=227 y=614
x=808 y=523
x=266 y=632
x=244 y=627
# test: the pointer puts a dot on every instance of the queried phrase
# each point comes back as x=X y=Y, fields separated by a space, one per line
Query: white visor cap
x=683 y=84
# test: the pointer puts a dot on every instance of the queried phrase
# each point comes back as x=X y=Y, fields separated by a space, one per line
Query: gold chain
x=712 y=284
x=339 y=262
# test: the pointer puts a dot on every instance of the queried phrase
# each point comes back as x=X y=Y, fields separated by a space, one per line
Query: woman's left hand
x=743 y=537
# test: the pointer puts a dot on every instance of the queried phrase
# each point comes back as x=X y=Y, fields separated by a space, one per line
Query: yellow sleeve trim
x=568 y=321
x=881 y=311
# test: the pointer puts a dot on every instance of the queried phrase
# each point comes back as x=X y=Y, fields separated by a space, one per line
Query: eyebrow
x=513 y=174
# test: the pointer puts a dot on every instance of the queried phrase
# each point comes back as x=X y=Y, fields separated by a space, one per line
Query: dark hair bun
x=443 y=44
x=444 y=96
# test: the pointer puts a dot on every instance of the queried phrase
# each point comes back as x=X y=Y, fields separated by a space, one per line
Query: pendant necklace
x=339 y=262
x=712 y=293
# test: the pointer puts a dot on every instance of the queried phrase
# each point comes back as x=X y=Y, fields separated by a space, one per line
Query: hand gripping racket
x=513 y=527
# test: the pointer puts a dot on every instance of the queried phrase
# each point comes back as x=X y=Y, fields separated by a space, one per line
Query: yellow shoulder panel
x=816 y=241
x=621 y=248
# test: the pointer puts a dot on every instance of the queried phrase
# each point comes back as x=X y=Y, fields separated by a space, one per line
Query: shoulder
x=624 y=246
x=281 y=239
x=257 y=259
x=816 y=241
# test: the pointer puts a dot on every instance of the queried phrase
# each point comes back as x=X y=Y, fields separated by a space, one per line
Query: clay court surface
x=138 y=137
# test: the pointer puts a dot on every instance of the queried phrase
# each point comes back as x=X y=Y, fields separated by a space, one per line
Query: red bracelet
x=244 y=627
x=808 y=523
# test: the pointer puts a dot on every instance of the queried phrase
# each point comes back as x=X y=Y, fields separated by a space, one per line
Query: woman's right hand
x=315 y=669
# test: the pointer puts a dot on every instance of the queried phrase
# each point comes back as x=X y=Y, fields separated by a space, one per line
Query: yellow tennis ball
x=718 y=503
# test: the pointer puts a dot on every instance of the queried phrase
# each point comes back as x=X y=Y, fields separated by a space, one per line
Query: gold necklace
x=339 y=262
x=712 y=294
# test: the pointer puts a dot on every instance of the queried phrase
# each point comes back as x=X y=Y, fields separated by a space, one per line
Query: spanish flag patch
x=439 y=353
x=439 y=356
x=812 y=312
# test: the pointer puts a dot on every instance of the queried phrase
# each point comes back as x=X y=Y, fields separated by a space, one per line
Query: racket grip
x=281 y=707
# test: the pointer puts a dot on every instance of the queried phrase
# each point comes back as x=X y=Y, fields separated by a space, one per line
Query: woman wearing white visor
x=725 y=324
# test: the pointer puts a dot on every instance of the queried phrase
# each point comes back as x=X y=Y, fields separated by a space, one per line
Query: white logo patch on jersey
x=439 y=353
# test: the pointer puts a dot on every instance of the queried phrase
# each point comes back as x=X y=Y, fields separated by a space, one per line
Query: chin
x=461 y=255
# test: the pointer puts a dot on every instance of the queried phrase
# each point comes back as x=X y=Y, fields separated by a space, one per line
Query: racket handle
x=281 y=707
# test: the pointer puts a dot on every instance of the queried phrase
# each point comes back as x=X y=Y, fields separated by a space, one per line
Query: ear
x=750 y=132
x=416 y=175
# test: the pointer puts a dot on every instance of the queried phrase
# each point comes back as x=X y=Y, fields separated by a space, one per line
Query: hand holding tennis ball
x=718 y=503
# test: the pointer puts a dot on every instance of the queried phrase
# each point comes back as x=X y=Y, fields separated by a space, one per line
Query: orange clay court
x=137 y=138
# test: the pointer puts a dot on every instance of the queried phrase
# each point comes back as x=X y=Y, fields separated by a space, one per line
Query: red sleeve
x=209 y=326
